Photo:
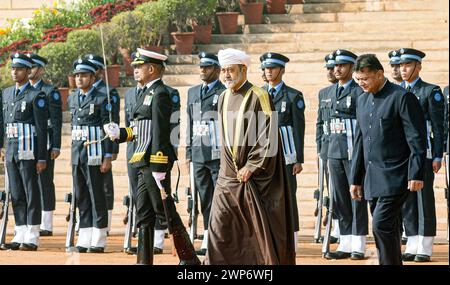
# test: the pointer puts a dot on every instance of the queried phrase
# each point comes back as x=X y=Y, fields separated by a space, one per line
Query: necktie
x=82 y=97
x=408 y=88
x=204 y=91
x=272 y=92
x=340 y=89
x=17 y=92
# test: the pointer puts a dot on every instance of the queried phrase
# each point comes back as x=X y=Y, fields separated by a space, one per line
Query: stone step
x=388 y=26
x=440 y=15
x=323 y=37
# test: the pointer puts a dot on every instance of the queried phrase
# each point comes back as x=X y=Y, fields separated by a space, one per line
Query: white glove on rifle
x=112 y=130
x=159 y=176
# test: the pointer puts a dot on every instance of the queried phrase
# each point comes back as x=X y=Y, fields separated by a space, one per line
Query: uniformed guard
x=419 y=212
x=323 y=129
x=394 y=62
x=91 y=157
x=25 y=114
x=100 y=85
x=352 y=215
x=154 y=156
x=290 y=106
x=202 y=135
x=46 y=184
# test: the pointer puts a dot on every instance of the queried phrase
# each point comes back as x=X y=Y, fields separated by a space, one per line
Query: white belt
x=325 y=128
x=80 y=134
x=429 y=136
x=12 y=130
x=200 y=128
x=287 y=139
x=337 y=126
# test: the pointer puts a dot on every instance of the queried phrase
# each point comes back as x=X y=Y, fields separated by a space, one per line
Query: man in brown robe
x=251 y=217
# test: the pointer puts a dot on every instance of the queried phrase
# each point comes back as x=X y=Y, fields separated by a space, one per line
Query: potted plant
x=290 y=2
x=60 y=58
x=227 y=16
x=252 y=10
x=276 y=6
x=130 y=28
x=111 y=36
x=203 y=20
x=154 y=25
x=180 y=13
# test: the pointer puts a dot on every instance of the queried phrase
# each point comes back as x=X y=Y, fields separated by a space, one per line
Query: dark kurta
x=251 y=223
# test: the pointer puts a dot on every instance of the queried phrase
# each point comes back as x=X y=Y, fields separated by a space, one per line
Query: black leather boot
x=145 y=245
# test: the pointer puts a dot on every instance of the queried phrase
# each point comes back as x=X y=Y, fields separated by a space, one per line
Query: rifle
x=129 y=219
x=4 y=197
x=318 y=195
x=328 y=202
x=71 y=219
x=191 y=194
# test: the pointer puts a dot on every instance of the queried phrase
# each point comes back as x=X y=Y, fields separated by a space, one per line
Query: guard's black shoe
x=192 y=261
x=422 y=258
x=337 y=255
x=166 y=235
x=404 y=240
x=96 y=249
x=10 y=246
x=28 y=247
x=333 y=240
x=357 y=256
x=45 y=233
x=201 y=252
x=157 y=250
x=131 y=250
x=200 y=237
x=408 y=257
x=78 y=249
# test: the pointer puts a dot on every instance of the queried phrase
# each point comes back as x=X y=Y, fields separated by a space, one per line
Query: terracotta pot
x=183 y=42
x=295 y=2
x=228 y=22
x=252 y=12
x=64 y=92
x=113 y=75
x=276 y=6
x=202 y=33
x=71 y=80
x=158 y=49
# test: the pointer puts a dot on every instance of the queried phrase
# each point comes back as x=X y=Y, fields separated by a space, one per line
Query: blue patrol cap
x=144 y=56
x=342 y=56
x=410 y=54
x=394 y=57
x=84 y=65
x=37 y=59
x=96 y=59
x=21 y=60
x=329 y=61
x=272 y=59
x=207 y=59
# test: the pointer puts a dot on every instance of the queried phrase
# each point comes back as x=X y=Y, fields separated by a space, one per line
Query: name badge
x=23 y=106
x=147 y=100
x=91 y=109
x=283 y=106
x=215 y=99
x=349 y=101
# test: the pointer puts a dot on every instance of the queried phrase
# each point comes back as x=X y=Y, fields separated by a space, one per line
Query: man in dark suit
x=290 y=106
x=202 y=135
x=153 y=156
x=389 y=153
x=46 y=184
x=352 y=215
x=25 y=115
x=419 y=211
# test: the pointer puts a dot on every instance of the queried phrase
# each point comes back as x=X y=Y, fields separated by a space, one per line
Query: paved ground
x=51 y=252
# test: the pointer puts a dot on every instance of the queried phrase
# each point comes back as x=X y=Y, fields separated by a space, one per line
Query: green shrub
x=60 y=59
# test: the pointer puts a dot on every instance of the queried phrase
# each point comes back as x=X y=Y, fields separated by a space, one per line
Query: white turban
x=233 y=56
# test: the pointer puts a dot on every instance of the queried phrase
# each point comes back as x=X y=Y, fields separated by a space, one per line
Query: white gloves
x=159 y=176
x=112 y=130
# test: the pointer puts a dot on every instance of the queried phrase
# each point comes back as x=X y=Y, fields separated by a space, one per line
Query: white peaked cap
x=233 y=56
x=152 y=54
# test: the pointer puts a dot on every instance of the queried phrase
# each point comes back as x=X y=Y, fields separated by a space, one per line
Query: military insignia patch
x=80 y=60
x=437 y=97
x=300 y=104
x=338 y=52
x=114 y=99
x=41 y=103
x=16 y=55
x=175 y=99
x=108 y=107
x=269 y=55
x=56 y=96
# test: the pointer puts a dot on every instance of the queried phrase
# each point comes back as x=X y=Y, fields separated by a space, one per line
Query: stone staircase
x=305 y=34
